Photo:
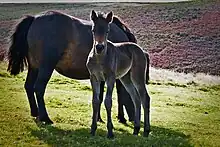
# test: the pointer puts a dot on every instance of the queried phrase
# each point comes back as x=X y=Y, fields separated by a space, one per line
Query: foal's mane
x=101 y=14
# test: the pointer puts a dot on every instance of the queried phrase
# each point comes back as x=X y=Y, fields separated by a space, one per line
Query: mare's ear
x=109 y=17
x=93 y=16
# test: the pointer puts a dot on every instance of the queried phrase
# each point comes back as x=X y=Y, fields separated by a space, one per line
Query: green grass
x=180 y=115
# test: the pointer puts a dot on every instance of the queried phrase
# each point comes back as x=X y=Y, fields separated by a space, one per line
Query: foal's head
x=100 y=30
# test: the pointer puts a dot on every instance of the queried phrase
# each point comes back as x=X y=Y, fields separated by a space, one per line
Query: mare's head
x=100 y=30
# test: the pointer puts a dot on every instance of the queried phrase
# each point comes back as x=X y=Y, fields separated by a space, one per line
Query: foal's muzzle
x=99 y=48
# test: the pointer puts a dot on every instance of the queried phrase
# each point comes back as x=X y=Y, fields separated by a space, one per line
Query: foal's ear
x=109 y=17
x=93 y=16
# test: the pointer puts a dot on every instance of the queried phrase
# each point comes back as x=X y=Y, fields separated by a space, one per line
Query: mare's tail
x=17 y=54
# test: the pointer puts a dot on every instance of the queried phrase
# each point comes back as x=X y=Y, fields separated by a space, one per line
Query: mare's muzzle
x=99 y=48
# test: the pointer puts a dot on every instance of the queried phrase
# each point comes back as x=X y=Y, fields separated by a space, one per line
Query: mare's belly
x=74 y=73
x=73 y=63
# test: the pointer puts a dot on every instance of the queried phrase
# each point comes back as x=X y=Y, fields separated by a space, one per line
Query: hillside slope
x=182 y=36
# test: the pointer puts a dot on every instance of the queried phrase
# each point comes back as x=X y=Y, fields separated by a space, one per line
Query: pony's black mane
x=116 y=20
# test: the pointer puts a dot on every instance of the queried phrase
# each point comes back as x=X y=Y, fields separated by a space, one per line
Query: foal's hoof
x=92 y=133
x=146 y=133
x=110 y=135
x=136 y=131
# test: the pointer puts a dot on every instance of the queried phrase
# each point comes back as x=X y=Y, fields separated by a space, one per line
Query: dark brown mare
x=109 y=61
x=54 y=40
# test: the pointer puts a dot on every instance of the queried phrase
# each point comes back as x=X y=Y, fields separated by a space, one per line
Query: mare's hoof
x=34 y=114
x=131 y=119
x=45 y=120
x=122 y=120
x=93 y=130
x=110 y=135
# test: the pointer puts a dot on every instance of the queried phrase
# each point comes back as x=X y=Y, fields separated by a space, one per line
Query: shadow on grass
x=56 y=136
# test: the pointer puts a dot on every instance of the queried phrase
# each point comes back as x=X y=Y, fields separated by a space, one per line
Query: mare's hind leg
x=29 y=87
x=125 y=100
x=102 y=85
x=127 y=82
x=139 y=84
x=120 y=89
x=40 y=86
x=47 y=65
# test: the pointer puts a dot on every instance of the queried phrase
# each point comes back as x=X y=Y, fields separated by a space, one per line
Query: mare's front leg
x=108 y=104
x=95 y=102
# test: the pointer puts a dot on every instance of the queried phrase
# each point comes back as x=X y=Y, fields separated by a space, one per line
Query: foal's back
x=127 y=55
x=129 y=48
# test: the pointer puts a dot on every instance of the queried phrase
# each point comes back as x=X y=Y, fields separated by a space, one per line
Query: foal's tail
x=133 y=39
x=17 y=54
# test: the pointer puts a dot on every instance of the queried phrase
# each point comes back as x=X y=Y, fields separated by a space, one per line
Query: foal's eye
x=93 y=30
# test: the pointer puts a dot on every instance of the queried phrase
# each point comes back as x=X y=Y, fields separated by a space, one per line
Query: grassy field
x=185 y=114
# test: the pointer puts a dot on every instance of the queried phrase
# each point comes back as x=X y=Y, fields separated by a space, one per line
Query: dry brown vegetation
x=182 y=36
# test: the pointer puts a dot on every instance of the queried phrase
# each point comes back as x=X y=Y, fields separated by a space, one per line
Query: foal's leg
x=126 y=81
x=139 y=84
x=102 y=85
x=95 y=102
x=29 y=87
x=108 y=105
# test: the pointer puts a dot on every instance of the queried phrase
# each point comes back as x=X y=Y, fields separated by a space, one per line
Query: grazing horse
x=109 y=61
x=53 y=40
